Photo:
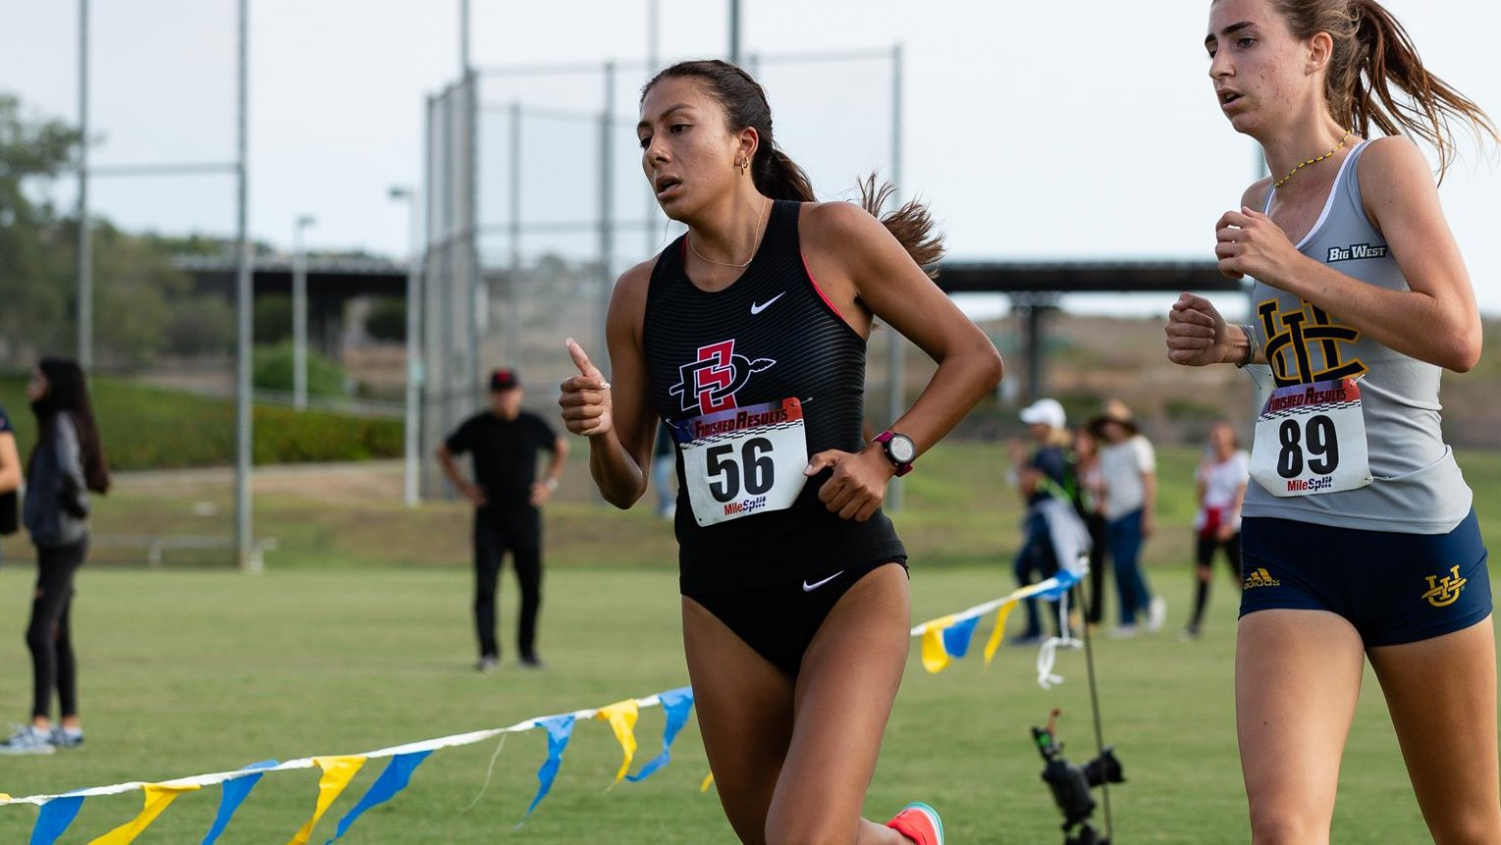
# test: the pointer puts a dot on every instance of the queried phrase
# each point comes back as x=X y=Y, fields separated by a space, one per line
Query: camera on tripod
x=1071 y=784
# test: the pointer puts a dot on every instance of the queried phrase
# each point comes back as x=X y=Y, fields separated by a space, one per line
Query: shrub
x=147 y=428
x=272 y=370
x=387 y=320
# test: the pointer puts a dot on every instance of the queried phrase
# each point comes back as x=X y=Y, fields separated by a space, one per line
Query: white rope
x=308 y=762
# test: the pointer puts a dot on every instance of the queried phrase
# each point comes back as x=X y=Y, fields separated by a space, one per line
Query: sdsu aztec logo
x=709 y=384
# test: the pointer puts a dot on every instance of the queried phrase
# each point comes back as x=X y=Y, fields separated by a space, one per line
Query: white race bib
x=1310 y=439
x=744 y=460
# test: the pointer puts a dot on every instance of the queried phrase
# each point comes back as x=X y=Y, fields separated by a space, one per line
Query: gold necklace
x=1283 y=180
x=754 y=242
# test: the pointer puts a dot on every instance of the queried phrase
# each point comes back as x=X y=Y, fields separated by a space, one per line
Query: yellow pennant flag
x=708 y=782
x=622 y=718
x=337 y=773
x=158 y=798
x=999 y=632
x=934 y=656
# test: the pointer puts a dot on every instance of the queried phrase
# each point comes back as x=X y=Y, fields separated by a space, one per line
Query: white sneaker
x=1156 y=614
x=29 y=740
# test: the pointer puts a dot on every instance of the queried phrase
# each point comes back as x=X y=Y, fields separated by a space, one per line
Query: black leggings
x=48 y=635
x=522 y=537
x=1095 y=610
x=1205 y=546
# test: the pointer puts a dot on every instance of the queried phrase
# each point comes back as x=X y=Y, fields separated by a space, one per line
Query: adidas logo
x=1261 y=578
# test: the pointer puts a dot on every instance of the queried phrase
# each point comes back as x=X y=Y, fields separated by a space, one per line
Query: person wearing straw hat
x=1128 y=466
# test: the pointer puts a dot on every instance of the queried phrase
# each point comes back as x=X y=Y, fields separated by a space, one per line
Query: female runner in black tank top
x=747 y=335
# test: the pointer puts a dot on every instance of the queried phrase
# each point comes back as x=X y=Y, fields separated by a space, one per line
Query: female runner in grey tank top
x=1358 y=540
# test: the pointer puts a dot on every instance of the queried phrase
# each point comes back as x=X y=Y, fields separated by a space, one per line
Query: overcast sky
x=1084 y=130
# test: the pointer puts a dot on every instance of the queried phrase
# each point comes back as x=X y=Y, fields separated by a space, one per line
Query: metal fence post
x=897 y=396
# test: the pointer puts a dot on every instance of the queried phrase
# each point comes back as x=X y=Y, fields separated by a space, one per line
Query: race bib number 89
x=744 y=460
x=1310 y=439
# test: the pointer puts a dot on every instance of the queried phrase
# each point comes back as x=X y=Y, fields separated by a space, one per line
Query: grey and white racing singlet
x=1351 y=435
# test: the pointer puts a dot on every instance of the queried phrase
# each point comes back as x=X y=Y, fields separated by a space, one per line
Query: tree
x=35 y=258
x=144 y=307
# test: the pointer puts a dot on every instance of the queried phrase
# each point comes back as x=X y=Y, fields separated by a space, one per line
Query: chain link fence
x=536 y=203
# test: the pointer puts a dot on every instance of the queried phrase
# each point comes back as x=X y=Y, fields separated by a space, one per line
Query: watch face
x=901 y=448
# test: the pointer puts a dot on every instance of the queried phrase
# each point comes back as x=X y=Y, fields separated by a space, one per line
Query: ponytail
x=910 y=224
x=778 y=176
x=1373 y=57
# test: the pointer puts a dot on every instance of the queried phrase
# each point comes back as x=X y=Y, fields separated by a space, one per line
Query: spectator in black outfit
x=507 y=495
x=66 y=463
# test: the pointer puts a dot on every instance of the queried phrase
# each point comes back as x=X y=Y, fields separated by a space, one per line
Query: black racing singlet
x=753 y=380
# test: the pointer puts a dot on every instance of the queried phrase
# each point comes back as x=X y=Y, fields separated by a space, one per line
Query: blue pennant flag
x=395 y=777
x=235 y=793
x=956 y=638
x=677 y=704
x=559 y=730
x=1066 y=582
x=56 y=815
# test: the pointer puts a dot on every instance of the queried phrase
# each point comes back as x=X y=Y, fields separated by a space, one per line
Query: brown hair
x=1372 y=56
x=779 y=177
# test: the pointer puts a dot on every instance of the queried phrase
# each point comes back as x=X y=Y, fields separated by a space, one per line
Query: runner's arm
x=1436 y=319
x=616 y=414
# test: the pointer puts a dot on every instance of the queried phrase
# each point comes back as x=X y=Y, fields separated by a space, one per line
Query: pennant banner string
x=942 y=639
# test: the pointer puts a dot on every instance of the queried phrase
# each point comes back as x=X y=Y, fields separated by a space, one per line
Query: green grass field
x=358 y=637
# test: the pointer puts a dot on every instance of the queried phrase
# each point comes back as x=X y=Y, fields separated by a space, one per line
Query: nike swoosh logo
x=808 y=588
x=757 y=308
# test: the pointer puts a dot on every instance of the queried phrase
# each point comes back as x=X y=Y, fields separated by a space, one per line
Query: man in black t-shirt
x=503 y=442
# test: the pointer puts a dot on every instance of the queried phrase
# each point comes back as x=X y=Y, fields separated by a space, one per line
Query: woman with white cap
x=1043 y=477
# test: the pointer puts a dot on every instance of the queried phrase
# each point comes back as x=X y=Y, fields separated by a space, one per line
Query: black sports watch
x=900 y=450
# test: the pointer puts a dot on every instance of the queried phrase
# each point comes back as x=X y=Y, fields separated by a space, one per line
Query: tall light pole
x=85 y=241
x=413 y=343
x=299 y=312
x=735 y=32
x=244 y=302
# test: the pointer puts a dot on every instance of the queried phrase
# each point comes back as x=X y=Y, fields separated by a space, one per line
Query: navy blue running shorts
x=1394 y=588
x=779 y=621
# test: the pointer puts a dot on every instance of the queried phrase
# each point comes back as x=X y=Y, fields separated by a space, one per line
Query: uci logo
x=710 y=383
x=1443 y=592
x=1303 y=345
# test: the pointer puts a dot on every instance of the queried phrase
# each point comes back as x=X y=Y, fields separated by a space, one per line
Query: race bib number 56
x=744 y=460
x=1310 y=439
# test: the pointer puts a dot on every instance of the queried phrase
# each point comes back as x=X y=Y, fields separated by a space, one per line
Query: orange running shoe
x=920 y=823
